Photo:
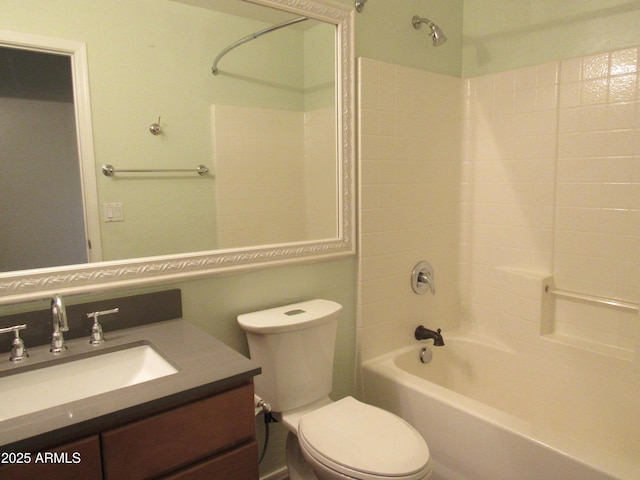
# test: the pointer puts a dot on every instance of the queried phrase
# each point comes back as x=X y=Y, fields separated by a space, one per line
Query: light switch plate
x=113 y=212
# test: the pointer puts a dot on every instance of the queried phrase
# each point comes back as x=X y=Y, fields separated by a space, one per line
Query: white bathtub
x=490 y=413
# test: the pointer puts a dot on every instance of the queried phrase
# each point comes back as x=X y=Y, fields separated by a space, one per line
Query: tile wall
x=265 y=194
x=409 y=151
x=597 y=235
x=320 y=173
x=552 y=187
x=597 y=226
x=508 y=195
x=501 y=181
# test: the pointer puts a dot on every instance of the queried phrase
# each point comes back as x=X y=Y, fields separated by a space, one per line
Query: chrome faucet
x=60 y=324
x=97 y=335
x=18 y=352
x=423 y=333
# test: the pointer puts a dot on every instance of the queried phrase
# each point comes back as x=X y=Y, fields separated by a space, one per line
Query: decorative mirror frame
x=34 y=284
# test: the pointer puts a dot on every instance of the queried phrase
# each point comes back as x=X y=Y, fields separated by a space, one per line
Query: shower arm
x=253 y=36
x=418 y=21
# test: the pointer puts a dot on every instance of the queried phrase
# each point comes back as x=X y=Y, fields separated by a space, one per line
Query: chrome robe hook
x=155 y=128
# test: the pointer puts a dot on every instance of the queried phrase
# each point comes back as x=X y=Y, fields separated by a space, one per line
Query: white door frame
x=77 y=52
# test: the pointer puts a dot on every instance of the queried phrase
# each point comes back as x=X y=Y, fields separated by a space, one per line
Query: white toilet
x=340 y=440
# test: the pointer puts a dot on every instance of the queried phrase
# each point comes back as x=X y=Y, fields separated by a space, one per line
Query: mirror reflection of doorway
x=41 y=198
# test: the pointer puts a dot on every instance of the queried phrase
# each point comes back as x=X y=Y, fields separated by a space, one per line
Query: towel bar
x=109 y=170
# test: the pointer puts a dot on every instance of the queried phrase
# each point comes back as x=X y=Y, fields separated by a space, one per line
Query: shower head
x=436 y=34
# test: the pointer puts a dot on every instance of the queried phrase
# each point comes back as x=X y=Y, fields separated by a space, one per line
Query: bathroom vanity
x=197 y=422
x=211 y=438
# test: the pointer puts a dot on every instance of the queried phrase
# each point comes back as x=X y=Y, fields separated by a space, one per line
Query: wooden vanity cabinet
x=78 y=460
x=197 y=440
x=208 y=439
x=237 y=464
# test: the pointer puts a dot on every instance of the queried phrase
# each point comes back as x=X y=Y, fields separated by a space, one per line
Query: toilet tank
x=294 y=345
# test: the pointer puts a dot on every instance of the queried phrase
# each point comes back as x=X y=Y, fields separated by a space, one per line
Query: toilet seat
x=364 y=442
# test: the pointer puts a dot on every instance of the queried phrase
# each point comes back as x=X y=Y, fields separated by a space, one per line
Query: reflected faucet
x=423 y=333
x=60 y=324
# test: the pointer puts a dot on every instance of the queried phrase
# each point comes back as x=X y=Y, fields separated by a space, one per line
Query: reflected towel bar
x=109 y=170
x=611 y=302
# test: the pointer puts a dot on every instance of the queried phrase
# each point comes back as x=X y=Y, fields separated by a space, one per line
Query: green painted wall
x=140 y=65
x=150 y=59
x=507 y=34
x=486 y=36
x=384 y=32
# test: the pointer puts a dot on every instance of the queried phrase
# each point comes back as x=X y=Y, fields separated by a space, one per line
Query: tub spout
x=423 y=333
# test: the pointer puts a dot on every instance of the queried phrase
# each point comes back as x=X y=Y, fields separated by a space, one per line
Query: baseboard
x=280 y=474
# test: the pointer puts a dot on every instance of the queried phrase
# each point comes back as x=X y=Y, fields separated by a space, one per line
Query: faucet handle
x=422 y=278
x=18 y=352
x=97 y=337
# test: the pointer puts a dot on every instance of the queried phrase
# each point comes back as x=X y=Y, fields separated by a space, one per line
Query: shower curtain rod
x=253 y=36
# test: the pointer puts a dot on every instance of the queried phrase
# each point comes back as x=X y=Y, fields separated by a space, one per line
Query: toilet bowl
x=350 y=439
x=340 y=440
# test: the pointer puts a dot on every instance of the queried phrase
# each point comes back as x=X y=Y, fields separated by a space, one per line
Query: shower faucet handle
x=422 y=278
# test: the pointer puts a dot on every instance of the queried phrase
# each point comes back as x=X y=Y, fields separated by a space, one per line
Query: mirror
x=274 y=128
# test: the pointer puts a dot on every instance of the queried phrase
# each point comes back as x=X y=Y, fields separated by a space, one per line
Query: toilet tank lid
x=292 y=317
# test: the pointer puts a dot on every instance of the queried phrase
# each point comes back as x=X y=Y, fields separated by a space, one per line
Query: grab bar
x=611 y=302
x=109 y=170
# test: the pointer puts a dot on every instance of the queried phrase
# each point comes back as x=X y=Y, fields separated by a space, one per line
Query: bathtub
x=489 y=413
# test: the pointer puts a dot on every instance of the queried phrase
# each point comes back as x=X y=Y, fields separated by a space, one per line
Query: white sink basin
x=34 y=390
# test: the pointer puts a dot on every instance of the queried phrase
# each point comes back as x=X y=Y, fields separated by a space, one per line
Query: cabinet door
x=79 y=460
x=238 y=464
x=165 y=442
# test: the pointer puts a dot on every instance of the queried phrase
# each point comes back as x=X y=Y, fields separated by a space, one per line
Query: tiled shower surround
x=265 y=194
x=503 y=182
x=410 y=149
